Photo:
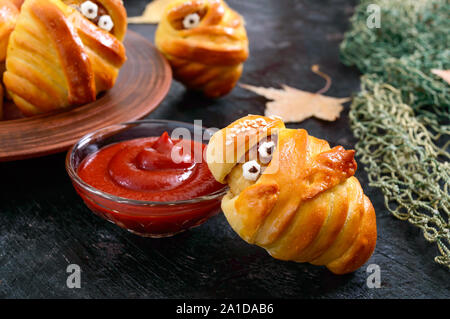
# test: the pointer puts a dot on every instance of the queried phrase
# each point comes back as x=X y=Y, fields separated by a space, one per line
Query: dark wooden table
x=44 y=226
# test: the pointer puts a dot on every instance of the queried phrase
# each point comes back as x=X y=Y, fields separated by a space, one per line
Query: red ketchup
x=156 y=169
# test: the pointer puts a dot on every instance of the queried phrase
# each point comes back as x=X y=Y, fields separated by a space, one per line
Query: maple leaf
x=294 y=105
x=152 y=13
x=444 y=74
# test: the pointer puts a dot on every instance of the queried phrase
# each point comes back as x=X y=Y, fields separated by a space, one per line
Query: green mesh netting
x=401 y=116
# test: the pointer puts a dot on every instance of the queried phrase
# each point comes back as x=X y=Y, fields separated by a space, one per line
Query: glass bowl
x=144 y=218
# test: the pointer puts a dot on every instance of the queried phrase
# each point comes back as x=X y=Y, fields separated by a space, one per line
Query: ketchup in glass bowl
x=149 y=177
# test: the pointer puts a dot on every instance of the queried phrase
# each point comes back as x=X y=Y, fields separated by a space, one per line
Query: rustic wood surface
x=44 y=226
x=143 y=83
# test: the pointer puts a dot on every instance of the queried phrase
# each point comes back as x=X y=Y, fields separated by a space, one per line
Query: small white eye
x=191 y=21
x=266 y=151
x=251 y=170
x=106 y=23
x=89 y=9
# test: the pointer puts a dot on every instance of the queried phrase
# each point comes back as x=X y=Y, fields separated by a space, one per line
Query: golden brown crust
x=363 y=246
x=102 y=43
x=1 y=101
x=115 y=10
x=228 y=146
x=208 y=57
x=105 y=51
x=74 y=61
x=255 y=205
x=8 y=16
x=56 y=58
x=307 y=206
x=17 y=3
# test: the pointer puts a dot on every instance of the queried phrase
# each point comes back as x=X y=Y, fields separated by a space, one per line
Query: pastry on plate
x=8 y=16
x=9 y=11
x=206 y=44
x=292 y=194
x=58 y=58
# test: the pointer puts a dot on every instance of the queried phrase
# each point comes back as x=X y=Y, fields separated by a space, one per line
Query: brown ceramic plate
x=143 y=82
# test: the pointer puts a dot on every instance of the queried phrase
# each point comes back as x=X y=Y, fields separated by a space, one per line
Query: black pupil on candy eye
x=253 y=169
x=269 y=150
x=192 y=21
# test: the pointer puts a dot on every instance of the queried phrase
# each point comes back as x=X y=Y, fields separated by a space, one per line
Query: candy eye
x=105 y=22
x=89 y=9
x=265 y=151
x=191 y=21
x=251 y=170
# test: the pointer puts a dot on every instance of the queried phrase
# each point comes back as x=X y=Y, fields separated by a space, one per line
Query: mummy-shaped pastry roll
x=57 y=58
x=206 y=44
x=303 y=204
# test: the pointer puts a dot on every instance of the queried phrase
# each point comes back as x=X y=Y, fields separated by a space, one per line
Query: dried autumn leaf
x=444 y=74
x=152 y=13
x=294 y=105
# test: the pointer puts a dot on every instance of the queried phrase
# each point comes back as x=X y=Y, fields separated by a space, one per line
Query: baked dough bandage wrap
x=8 y=16
x=56 y=58
x=112 y=8
x=306 y=206
x=206 y=44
